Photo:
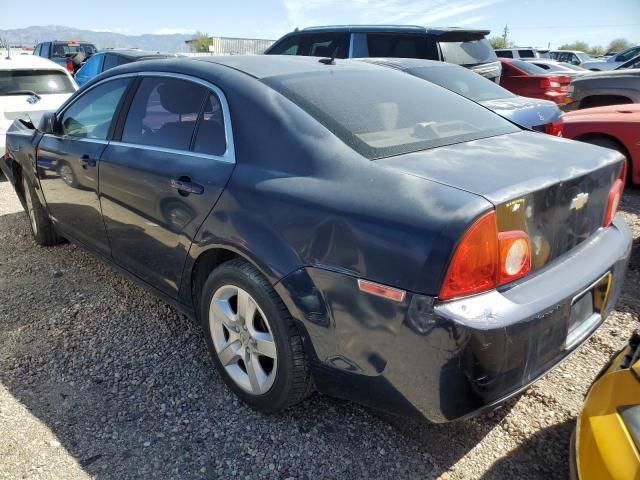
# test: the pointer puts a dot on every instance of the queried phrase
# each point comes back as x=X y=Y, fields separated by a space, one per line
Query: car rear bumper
x=447 y=360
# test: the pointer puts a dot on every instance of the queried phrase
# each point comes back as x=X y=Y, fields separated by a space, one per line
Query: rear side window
x=163 y=113
x=384 y=113
x=527 y=67
x=288 y=46
x=526 y=53
x=42 y=82
x=328 y=45
x=504 y=54
x=91 y=114
x=468 y=53
x=400 y=46
x=210 y=133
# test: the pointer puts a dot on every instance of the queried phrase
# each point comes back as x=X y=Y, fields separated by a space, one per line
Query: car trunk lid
x=27 y=107
x=554 y=189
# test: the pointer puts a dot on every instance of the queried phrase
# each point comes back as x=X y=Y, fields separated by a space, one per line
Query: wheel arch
x=597 y=99
x=586 y=137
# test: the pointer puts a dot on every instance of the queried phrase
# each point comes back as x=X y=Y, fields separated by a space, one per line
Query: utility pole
x=505 y=33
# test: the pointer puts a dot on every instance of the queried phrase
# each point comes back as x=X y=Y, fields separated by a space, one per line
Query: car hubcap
x=29 y=202
x=67 y=174
x=242 y=339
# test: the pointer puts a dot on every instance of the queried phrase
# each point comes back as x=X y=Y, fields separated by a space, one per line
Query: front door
x=161 y=180
x=68 y=164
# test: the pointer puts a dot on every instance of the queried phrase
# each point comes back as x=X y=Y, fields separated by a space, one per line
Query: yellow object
x=604 y=447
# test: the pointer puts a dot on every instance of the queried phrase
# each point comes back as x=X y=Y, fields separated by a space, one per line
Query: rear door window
x=163 y=113
x=526 y=53
x=504 y=54
x=210 y=134
x=91 y=114
x=111 y=60
x=401 y=46
x=327 y=45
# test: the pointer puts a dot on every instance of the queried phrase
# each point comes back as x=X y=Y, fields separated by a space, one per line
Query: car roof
x=28 y=62
x=406 y=63
x=567 y=51
x=390 y=28
x=263 y=66
x=133 y=53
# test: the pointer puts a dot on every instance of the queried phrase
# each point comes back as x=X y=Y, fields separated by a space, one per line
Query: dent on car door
x=162 y=178
x=68 y=163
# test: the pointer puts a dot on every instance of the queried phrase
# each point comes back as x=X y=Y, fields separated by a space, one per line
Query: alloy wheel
x=243 y=339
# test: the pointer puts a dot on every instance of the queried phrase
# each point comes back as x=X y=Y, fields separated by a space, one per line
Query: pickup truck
x=71 y=54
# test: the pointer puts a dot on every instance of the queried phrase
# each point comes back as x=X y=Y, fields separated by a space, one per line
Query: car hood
x=629 y=72
x=524 y=111
x=13 y=107
x=504 y=167
x=611 y=113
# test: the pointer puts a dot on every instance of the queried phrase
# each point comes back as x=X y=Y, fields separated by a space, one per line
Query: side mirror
x=49 y=123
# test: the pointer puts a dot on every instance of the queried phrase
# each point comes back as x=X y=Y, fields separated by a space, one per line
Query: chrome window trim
x=76 y=139
x=229 y=156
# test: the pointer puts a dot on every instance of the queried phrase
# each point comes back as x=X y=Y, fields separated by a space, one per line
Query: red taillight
x=69 y=66
x=615 y=194
x=485 y=259
x=554 y=128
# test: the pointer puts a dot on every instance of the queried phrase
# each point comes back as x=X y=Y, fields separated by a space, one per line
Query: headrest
x=180 y=101
x=322 y=51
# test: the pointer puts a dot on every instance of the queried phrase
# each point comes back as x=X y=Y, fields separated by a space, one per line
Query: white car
x=613 y=61
x=29 y=87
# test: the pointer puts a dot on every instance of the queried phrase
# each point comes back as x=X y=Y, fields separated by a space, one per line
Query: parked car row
x=391 y=230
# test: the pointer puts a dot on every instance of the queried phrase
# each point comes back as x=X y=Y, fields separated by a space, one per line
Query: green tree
x=577 y=45
x=498 y=42
x=596 y=50
x=618 y=45
x=200 y=42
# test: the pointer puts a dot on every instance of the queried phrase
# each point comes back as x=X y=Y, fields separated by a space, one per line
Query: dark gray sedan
x=599 y=89
x=531 y=113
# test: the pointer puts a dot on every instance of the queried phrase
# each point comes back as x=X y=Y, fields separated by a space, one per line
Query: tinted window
x=288 y=46
x=210 y=134
x=463 y=82
x=527 y=67
x=553 y=55
x=384 y=113
x=163 y=113
x=36 y=51
x=400 y=46
x=70 y=49
x=39 y=81
x=471 y=52
x=635 y=63
x=90 y=115
x=111 y=60
x=327 y=45
x=504 y=53
x=526 y=53
x=45 y=50
x=628 y=55
x=546 y=66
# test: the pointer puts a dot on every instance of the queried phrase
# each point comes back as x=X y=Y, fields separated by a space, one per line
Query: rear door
x=171 y=157
x=68 y=163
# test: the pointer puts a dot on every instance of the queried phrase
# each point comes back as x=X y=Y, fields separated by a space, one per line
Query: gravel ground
x=100 y=379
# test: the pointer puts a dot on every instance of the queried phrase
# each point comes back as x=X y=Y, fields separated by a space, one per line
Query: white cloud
x=411 y=12
x=174 y=31
x=471 y=20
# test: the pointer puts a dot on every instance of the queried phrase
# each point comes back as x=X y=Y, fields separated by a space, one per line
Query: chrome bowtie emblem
x=579 y=201
x=32 y=100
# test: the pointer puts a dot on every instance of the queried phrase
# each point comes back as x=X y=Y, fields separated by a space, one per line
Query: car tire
x=238 y=308
x=613 y=145
x=42 y=228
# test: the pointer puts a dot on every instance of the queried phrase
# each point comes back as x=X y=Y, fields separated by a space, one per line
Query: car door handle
x=185 y=186
x=87 y=161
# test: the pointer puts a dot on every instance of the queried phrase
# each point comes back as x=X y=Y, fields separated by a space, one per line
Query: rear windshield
x=468 y=53
x=23 y=82
x=530 y=68
x=385 y=113
x=66 y=50
x=462 y=81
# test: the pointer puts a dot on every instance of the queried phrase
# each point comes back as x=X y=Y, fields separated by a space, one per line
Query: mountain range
x=29 y=36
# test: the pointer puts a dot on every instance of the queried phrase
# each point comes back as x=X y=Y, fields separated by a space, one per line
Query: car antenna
x=332 y=60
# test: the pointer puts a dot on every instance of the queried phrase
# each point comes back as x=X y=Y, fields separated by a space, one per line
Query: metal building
x=234 y=46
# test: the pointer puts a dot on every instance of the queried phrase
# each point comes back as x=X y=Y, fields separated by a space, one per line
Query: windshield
x=527 y=67
x=468 y=53
x=42 y=82
x=385 y=113
x=65 y=49
x=463 y=82
x=583 y=57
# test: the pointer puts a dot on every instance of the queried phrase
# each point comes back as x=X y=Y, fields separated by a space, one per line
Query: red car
x=615 y=126
x=529 y=80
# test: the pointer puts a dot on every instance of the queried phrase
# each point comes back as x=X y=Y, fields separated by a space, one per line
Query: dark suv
x=469 y=48
x=68 y=53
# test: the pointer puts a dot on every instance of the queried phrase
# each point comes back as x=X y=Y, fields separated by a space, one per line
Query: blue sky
x=532 y=22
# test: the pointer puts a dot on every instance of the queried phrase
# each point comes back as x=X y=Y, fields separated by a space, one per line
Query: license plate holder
x=586 y=310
